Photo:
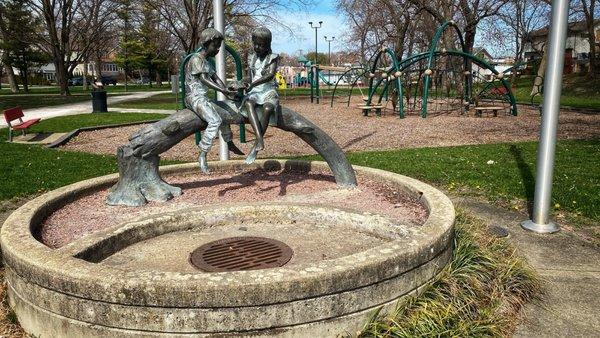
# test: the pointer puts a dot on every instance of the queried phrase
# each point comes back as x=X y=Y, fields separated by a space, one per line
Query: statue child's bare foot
x=203 y=163
x=252 y=156
x=260 y=145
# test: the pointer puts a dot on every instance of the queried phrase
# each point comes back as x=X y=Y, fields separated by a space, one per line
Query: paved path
x=137 y=110
x=570 y=269
x=81 y=107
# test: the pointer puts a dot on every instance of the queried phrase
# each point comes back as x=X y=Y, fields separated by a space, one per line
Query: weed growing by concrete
x=480 y=293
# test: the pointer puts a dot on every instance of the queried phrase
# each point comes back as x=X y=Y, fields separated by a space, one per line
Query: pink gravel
x=353 y=132
x=90 y=213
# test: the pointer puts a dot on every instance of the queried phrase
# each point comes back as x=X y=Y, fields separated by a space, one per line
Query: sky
x=303 y=37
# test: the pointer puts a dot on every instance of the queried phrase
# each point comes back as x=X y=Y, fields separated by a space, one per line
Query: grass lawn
x=120 y=88
x=31 y=169
x=68 y=123
x=160 y=101
x=578 y=91
x=35 y=101
x=509 y=180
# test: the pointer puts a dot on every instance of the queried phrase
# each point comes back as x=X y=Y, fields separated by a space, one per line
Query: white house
x=577 y=47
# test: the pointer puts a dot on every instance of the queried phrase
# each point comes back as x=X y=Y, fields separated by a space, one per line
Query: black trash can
x=99 y=104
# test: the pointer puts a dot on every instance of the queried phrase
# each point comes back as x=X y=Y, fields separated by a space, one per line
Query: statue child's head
x=211 y=39
x=261 y=41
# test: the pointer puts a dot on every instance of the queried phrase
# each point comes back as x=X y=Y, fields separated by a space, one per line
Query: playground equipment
x=281 y=84
x=325 y=74
x=440 y=80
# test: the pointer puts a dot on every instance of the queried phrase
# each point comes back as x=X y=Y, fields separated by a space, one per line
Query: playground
x=353 y=132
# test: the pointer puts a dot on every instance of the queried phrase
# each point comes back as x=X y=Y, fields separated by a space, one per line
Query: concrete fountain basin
x=353 y=253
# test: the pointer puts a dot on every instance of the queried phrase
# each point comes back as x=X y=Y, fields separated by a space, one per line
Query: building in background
x=577 y=47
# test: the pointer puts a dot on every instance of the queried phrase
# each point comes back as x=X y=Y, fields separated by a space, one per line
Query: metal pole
x=316 y=73
x=219 y=21
x=329 y=72
x=540 y=220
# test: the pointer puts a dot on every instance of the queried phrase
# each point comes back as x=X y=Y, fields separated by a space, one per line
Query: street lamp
x=316 y=28
x=329 y=43
x=315 y=69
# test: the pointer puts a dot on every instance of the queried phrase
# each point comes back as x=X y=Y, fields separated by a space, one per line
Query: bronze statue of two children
x=260 y=100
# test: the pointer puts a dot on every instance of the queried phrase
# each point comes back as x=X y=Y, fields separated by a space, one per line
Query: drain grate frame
x=241 y=254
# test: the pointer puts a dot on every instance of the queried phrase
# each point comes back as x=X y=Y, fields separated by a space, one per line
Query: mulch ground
x=354 y=132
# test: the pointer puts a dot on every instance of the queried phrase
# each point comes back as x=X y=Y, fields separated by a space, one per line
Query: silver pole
x=219 y=20
x=540 y=219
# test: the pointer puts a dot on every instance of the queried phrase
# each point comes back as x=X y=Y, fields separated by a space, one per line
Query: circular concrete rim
x=51 y=269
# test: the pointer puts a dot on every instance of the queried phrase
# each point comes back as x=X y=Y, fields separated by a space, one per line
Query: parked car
x=107 y=80
x=78 y=81
x=142 y=80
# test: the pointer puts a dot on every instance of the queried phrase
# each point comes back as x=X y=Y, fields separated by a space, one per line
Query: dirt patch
x=353 y=132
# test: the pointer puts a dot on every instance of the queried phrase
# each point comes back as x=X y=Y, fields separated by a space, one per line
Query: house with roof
x=577 y=47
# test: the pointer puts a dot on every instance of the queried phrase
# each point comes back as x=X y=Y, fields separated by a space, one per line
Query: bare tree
x=10 y=74
x=73 y=28
x=185 y=19
x=518 y=18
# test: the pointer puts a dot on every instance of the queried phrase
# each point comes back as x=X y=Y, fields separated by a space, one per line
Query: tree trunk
x=12 y=81
x=62 y=77
x=99 y=68
x=470 y=32
x=139 y=177
x=538 y=82
x=593 y=57
x=25 y=79
x=85 y=76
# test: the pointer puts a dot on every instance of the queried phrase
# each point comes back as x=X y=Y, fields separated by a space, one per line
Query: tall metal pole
x=219 y=22
x=316 y=69
x=329 y=43
x=540 y=218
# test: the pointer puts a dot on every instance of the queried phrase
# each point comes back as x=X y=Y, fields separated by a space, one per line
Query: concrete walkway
x=147 y=111
x=81 y=107
x=570 y=268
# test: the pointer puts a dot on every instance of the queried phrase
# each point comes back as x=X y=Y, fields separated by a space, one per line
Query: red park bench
x=16 y=113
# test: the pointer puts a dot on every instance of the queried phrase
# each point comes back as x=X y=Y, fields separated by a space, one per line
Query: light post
x=219 y=20
x=316 y=28
x=314 y=69
x=540 y=217
x=329 y=43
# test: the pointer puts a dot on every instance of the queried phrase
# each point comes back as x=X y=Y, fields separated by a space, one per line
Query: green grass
x=79 y=89
x=160 y=101
x=578 y=91
x=479 y=294
x=31 y=169
x=68 y=123
x=510 y=180
x=35 y=101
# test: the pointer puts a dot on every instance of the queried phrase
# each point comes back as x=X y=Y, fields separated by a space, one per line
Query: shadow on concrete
x=526 y=176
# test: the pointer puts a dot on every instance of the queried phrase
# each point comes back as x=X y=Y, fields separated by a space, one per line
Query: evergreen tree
x=20 y=28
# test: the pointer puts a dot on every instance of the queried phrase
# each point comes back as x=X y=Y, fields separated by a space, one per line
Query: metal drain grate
x=241 y=253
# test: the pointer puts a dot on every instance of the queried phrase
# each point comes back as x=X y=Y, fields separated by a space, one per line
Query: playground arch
x=396 y=75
